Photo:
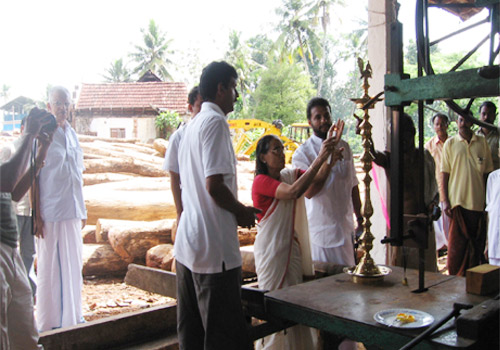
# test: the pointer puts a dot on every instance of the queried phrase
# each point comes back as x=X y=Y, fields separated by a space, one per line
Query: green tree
x=238 y=55
x=117 y=72
x=154 y=54
x=283 y=93
x=297 y=33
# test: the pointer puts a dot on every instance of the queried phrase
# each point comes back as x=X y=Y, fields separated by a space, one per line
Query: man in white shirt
x=171 y=162
x=209 y=312
x=332 y=199
x=59 y=217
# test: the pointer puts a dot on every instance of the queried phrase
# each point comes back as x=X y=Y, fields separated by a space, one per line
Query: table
x=340 y=306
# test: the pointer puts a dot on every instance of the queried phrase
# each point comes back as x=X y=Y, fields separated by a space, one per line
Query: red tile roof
x=133 y=96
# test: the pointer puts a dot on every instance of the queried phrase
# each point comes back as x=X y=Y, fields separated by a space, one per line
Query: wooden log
x=132 y=242
x=140 y=198
x=160 y=145
x=107 y=150
x=87 y=138
x=161 y=257
x=88 y=234
x=99 y=178
x=123 y=165
x=102 y=260
x=103 y=226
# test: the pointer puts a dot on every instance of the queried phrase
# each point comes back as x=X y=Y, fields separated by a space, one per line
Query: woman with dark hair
x=281 y=249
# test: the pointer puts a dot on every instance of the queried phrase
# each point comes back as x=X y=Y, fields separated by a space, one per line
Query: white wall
x=138 y=128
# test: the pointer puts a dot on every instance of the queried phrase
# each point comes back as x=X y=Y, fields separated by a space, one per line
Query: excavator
x=244 y=145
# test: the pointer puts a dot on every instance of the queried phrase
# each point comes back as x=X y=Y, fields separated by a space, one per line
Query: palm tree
x=117 y=72
x=238 y=55
x=297 y=33
x=321 y=13
x=154 y=54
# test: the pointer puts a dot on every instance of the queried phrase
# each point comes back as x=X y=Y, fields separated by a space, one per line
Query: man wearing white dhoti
x=331 y=201
x=59 y=219
x=493 y=209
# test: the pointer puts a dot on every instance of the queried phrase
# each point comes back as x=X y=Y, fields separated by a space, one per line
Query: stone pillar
x=381 y=13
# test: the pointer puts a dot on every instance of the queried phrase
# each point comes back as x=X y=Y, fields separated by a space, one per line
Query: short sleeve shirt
x=330 y=211
x=207 y=236
x=61 y=178
x=467 y=163
x=435 y=147
x=171 y=162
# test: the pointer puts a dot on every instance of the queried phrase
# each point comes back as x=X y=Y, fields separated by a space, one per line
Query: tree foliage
x=117 y=72
x=283 y=93
x=155 y=54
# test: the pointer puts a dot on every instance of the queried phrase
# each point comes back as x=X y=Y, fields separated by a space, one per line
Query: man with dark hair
x=17 y=324
x=332 y=199
x=465 y=165
x=171 y=162
x=488 y=113
x=435 y=147
x=209 y=312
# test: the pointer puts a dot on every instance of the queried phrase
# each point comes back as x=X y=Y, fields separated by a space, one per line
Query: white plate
x=388 y=318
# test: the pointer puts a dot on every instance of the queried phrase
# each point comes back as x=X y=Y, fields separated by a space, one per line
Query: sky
x=69 y=42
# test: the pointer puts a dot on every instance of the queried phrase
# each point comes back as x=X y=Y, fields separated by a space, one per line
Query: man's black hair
x=317 y=101
x=407 y=124
x=490 y=105
x=193 y=95
x=440 y=115
x=212 y=75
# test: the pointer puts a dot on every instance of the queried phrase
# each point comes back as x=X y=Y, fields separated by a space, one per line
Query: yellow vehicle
x=299 y=132
x=243 y=145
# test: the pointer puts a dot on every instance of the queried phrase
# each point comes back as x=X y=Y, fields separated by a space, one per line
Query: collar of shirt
x=472 y=139
x=210 y=106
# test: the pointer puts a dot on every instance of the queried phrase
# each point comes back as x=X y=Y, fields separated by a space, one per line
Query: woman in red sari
x=281 y=249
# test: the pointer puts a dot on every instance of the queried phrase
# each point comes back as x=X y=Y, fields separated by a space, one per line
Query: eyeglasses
x=61 y=104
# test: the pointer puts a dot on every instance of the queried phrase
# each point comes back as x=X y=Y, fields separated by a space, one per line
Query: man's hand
x=38 y=226
x=447 y=207
x=247 y=216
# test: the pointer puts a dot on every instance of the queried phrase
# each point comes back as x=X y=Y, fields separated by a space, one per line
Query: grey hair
x=60 y=89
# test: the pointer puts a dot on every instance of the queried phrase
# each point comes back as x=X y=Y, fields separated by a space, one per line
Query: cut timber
x=152 y=280
x=161 y=257
x=88 y=234
x=113 y=151
x=94 y=179
x=140 y=198
x=123 y=165
x=103 y=226
x=161 y=146
x=132 y=243
x=86 y=138
x=101 y=260
x=125 y=331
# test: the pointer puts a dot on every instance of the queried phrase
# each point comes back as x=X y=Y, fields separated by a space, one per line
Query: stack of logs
x=131 y=211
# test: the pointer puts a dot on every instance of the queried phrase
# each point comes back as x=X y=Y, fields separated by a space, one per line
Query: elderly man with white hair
x=59 y=219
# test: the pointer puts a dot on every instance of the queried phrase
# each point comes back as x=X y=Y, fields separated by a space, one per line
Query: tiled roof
x=133 y=96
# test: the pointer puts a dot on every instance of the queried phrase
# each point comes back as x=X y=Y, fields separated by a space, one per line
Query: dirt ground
x=104 y=297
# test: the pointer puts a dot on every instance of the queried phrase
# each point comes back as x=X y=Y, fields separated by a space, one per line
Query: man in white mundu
x=332 y=201
x=493 y=209
x=60 y=217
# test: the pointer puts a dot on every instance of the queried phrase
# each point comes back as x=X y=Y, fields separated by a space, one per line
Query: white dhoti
x=59 y=275
x=441 y=228
x=282 y=257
